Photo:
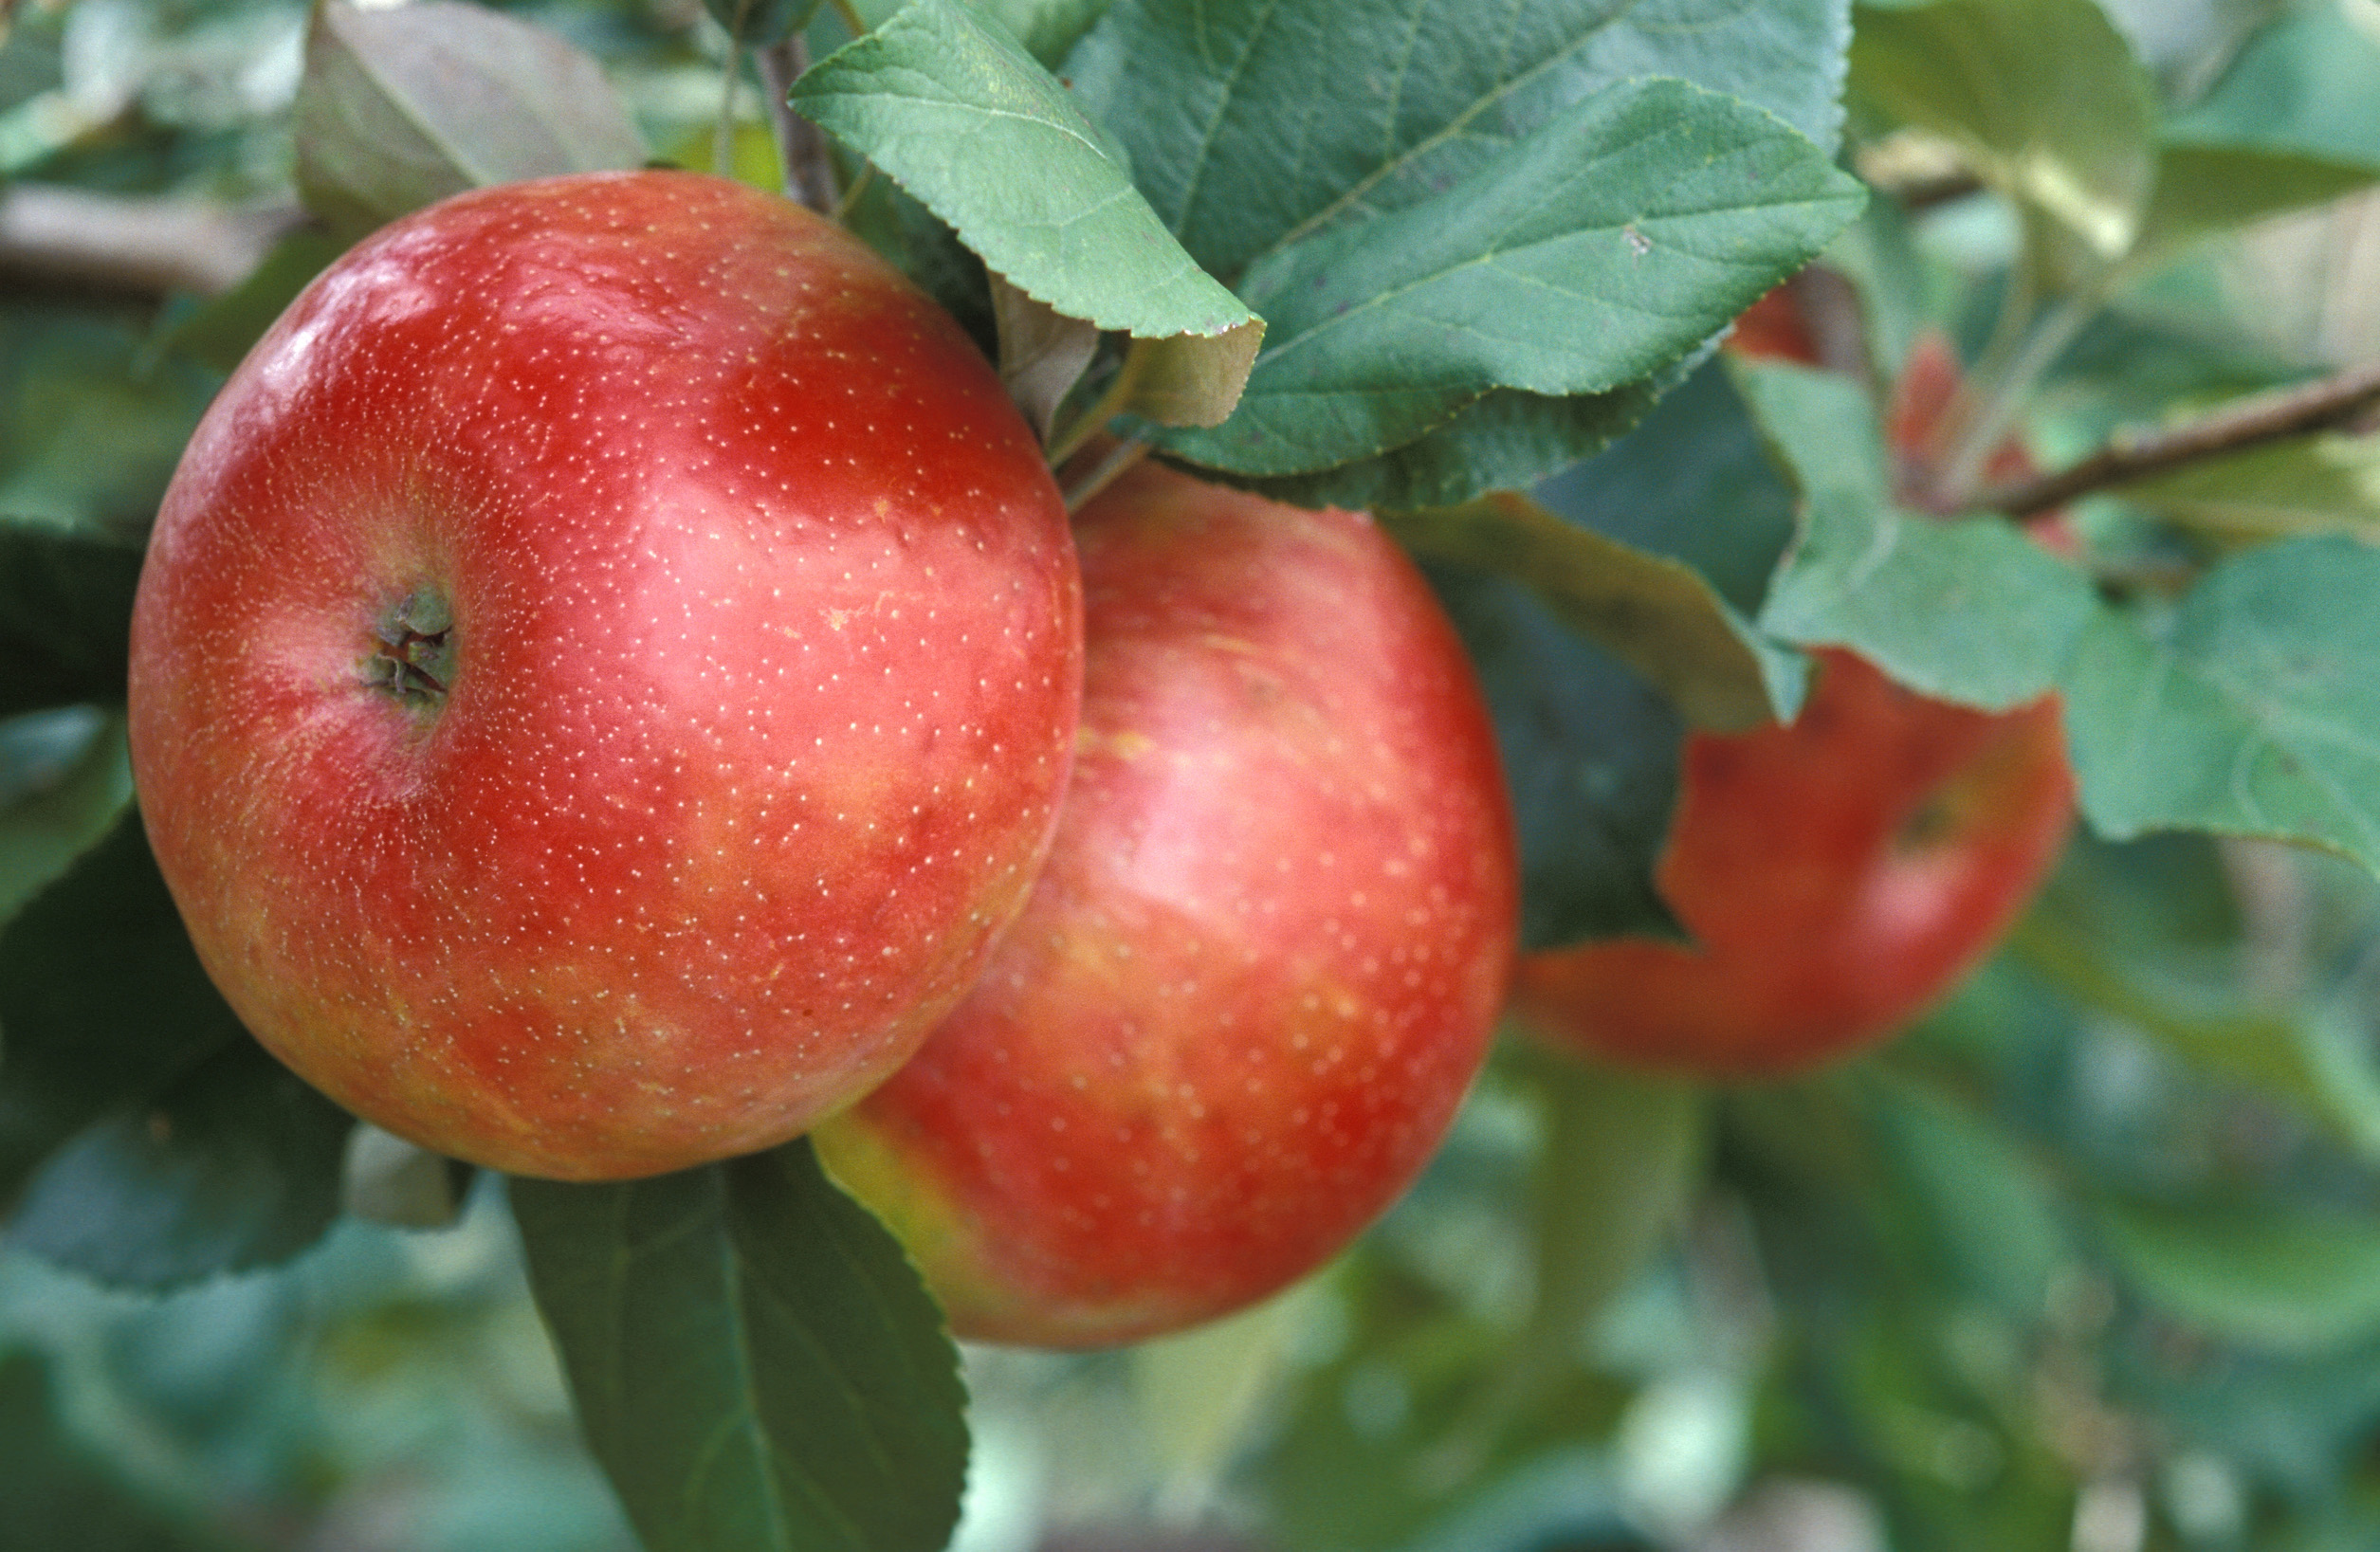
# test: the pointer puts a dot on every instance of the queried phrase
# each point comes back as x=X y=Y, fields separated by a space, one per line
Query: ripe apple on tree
x=1838 y=874
x=1262 y=964
x=603 y=674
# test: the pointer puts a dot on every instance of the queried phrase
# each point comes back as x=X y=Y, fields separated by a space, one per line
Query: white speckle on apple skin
x=757 y=718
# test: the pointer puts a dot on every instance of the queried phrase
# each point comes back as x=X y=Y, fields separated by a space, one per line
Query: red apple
x=1262 y=964
x=1838 y=874
x=604 y=673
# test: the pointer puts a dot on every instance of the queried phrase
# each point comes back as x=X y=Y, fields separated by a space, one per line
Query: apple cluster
x=616 y=686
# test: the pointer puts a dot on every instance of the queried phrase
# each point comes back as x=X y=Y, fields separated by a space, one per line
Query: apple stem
x=1104 y=472
x=2000 y=399
x=802 y=146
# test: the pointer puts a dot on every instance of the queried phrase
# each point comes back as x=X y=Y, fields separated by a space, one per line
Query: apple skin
x=1838 y=875
x=1264 y=960
x=604 y=672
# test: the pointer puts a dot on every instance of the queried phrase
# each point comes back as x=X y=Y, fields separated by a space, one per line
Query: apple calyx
x=413 y=648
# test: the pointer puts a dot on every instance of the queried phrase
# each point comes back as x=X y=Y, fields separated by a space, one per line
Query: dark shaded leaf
x=1590 y=752
x=232 y=1167
x=102 y=1002
x=65 y=777
x=755 y=1362
x=55 y=1496
x=65 y=617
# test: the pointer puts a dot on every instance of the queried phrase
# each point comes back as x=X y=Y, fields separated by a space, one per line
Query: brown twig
x=801 y=145
x=139 y=245
x=2320 y=406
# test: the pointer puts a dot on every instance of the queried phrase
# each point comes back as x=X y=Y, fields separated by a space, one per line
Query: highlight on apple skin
x=1263 y=962
x=1836 y=875
x=604 y=671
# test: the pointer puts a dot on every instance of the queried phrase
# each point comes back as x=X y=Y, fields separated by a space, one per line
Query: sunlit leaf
x=1968 y=610
x=967 y=123
x=1240 y=154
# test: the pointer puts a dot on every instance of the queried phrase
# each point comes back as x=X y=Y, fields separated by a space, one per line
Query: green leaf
x=2043 y=95
x=1590 y=754
x=2282 y=1279
x=2303 y=84
x=65 y=779
x=756 y=1364
x=2187 y=42
x=1218 y=108
x=1606 y=247
x=2204 y=191
x=102 y=1002
x=1504 y=440
x=1967 y=610
x=90 y=429
x=1991 y=1211
x=65 y=615
x=233 y=1168
x=973 y=127
x=399 y=108
x=2252 y=711
x=1658 y=616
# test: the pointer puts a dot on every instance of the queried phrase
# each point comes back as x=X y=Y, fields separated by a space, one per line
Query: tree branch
x=2320 y=406
x=802 y=145
x=143 y=245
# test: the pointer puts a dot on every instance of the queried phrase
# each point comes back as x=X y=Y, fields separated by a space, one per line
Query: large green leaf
x=65 y=611
x=1604 y=247
x=1590 y=754
x=755 y=1364
x=402 y=107
x=2295 y=122
x=1504 y=440
x=103 y=1003
x=233 y=1168
x=955 y=110
x=1240 y=153
x=2252 y=710
x=2258 y=1274
x=2206 y=189
x=1968 y=610
x=2043 y=95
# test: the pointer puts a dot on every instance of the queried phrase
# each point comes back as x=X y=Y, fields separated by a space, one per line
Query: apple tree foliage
x=2091 y=1258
